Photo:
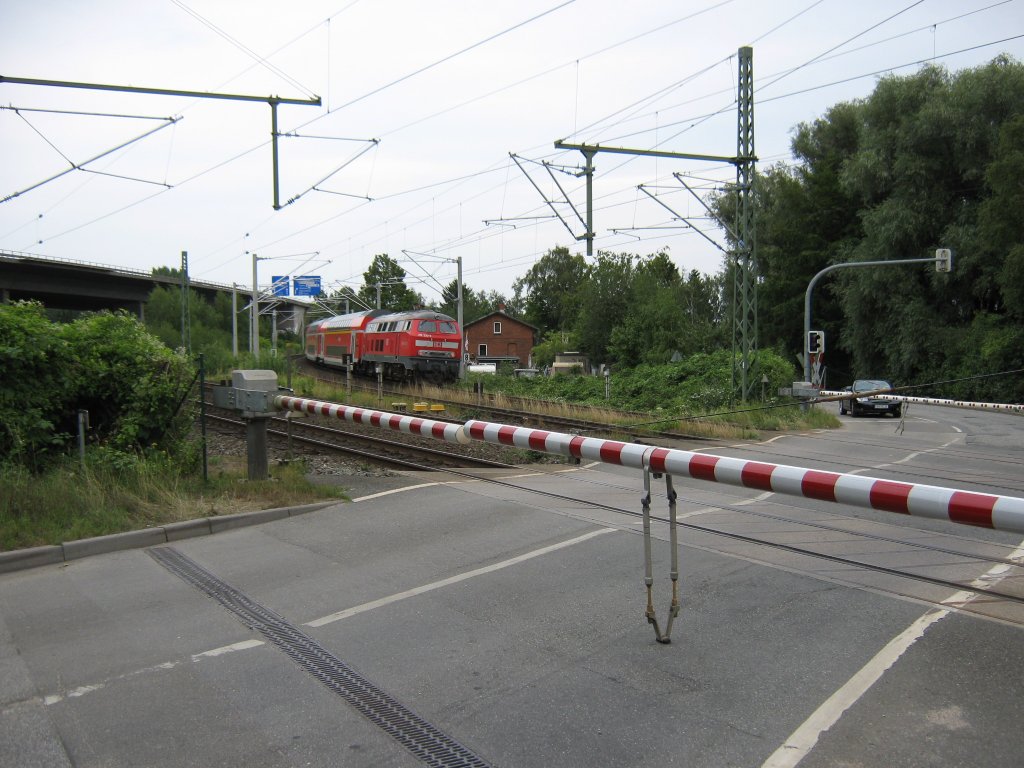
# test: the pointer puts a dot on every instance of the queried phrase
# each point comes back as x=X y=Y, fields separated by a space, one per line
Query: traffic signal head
x=815 y=342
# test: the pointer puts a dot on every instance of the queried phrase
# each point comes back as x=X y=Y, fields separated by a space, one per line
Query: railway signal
x=815 y=342
x=943 y=260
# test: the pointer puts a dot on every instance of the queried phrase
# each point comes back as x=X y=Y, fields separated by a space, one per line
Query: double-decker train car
x=406 y=345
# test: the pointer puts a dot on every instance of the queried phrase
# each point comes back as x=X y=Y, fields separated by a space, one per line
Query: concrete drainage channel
x=19 y=559
x=425 y=741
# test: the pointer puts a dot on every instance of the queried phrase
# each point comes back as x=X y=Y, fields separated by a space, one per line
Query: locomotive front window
x=448 y=327
x=428 y=326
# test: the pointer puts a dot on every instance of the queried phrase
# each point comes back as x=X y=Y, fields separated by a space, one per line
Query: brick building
x=500 y=338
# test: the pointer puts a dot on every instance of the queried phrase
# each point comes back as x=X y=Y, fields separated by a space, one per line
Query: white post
x=462 y=346
x=254 y=312
x=234 y=320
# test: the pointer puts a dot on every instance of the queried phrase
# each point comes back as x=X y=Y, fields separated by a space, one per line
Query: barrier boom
x=412 y=425
x=887 y=394
x=1004 y=513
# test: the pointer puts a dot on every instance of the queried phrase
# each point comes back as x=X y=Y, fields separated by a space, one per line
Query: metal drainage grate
x=429 y=744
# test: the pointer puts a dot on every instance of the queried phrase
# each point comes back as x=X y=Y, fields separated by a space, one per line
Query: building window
x=481 y=350
x=497 y=327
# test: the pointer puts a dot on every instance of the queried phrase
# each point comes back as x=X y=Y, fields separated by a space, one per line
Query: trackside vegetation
x=931 y=160
x=107 y=364
x=141 y=464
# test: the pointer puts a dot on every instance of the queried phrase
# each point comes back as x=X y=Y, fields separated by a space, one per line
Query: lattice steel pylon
x=745 y=269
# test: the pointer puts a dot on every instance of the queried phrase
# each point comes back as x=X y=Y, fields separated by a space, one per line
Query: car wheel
x=898 y=412
x=842 y=409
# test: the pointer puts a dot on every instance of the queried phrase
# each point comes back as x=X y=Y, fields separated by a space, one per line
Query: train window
x=406 y=325
x=428 y=326
x=447 y=327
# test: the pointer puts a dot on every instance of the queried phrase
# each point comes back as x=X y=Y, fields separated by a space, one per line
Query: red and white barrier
x=1008 y=407
x=1005 y=513
x=593 y=448
x=412 y=425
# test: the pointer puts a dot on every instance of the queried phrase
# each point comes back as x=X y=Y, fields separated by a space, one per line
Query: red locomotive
x=406 y=345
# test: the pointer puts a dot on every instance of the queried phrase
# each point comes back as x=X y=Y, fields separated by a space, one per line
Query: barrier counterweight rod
x=645 y=503
x=673 y=538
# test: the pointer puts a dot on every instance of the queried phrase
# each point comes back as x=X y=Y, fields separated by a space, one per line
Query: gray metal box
x=262 y=381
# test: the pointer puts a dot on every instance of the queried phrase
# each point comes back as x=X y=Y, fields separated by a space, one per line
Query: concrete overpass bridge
x=83 y=286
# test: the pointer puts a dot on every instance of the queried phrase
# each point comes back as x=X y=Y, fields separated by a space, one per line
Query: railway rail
x=522 y=415
x=946 y=554
x=987 y=578
x=389 y=453
x=994 y=591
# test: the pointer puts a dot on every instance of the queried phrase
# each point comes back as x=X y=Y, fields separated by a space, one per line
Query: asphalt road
x=512 y=623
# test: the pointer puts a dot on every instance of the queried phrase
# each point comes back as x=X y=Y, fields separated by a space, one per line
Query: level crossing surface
x=513 y=622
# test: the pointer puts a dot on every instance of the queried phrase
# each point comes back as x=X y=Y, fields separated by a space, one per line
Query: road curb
x=33 y=557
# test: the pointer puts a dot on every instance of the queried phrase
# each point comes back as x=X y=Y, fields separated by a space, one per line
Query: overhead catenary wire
x=469 y=237
x=440 y=61
x=260 y=60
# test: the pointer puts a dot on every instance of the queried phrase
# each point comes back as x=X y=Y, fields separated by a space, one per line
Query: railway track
x=378 y=450
x=927 y=569
x=524 y=415
x=996 y=592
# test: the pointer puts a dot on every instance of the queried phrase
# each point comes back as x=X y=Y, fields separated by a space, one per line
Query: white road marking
x=803 y=739
x=395 y=490
x=247 y=644
x=915 y=454
x=82 y=690
x=453 y=579
x=242 y=646
x=740 y=503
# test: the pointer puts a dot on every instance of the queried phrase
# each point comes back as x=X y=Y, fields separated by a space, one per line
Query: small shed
x=571 y=362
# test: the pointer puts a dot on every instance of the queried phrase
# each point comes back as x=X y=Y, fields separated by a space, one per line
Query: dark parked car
x=857 y=406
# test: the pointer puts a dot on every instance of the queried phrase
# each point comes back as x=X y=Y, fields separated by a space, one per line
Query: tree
x=668 y=316
x=805 y=220
x=209 y=324
x=928 y=144
x=386 y=273
x=548 y=291
x=926 y=161
x=604 y=299
x=474 y=304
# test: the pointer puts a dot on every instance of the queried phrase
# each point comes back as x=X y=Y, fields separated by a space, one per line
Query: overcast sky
x=449 y=88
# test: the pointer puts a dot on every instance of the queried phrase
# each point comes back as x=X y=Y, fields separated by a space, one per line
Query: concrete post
x=256 y=445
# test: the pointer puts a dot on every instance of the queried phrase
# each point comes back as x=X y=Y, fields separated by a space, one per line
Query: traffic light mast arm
x=814 y=281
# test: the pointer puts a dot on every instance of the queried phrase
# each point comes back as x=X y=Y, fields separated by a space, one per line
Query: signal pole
x=745 y=258
x=254 y=311
x=943 y=261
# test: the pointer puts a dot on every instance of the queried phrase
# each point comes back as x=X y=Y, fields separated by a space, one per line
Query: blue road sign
x=280 y=285
x=307 y=285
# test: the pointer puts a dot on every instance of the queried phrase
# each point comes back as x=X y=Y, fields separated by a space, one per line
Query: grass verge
x=73 y=502
x=742 y=423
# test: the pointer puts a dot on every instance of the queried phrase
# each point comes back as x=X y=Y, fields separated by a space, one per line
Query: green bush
x=107 y=364
x=699 y=384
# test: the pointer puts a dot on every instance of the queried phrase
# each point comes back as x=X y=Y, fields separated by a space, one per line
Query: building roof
x=502 y=313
